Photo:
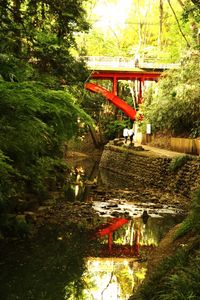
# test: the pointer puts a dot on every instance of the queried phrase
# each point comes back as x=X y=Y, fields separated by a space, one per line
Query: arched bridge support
x=139 y=76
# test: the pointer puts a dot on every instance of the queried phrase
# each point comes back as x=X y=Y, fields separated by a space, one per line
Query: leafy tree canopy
x=173 y=104
x=42 y=33
x=34 y=119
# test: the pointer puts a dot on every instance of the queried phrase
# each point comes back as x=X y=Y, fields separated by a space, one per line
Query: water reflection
x=130 y=237
x=82 y=177
x=64 y=264
x=135 y=233
x=49 y=267
x=120 y=262
x=113 y=278
x=74 y=188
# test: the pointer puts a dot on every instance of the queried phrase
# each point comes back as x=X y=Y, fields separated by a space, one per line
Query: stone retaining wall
x=146 y=169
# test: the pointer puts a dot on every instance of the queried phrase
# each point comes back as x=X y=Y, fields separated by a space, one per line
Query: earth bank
x=143 y=175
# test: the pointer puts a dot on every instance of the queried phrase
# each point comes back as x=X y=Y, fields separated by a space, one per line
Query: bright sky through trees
x=111 y=14
x=123 y=27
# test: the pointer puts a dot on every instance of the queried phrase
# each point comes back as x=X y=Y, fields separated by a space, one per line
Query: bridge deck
x=126 y=74
x=126 y=64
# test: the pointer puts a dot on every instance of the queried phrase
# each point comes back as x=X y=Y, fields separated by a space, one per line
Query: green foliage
x=184 y=284
x=41 y=34
x=147 y=27
x=46 y=175
x=75 y=290
x=35 y=122
x=102 y=112
x=191 y=223
x=191 y=14
x=178 y=162
x=53 y=57
x=178 y=275
x=174 y=106
x=196 y=202
x=12 y=69
x=115 y=128
x=92 y=103
x=7 y=189
x=187 y=225
x=153 y=288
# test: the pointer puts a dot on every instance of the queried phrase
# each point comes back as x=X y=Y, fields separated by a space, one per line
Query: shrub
x=178 y=162
x=192 y=221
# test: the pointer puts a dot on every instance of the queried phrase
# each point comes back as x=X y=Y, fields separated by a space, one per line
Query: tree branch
x=179 y=26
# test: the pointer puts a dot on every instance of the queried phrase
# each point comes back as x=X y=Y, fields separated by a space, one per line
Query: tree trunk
x=139 y=27
x=95 y=138
x=160 y=24
x=17 y=19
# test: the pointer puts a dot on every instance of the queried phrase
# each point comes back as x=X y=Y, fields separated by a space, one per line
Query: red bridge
x=139 y=75
x=118 y=250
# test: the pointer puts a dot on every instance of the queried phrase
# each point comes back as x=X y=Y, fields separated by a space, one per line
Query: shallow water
x=69 y=263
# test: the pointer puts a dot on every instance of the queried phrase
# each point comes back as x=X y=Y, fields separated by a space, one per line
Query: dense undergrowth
x=177 y=277
x=35 y=123
x=38 y=115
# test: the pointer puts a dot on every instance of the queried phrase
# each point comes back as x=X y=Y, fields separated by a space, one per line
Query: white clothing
x=125 y=132
x=130 y=132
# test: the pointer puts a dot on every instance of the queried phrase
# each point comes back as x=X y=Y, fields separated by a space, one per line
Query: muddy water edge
x=93 y=243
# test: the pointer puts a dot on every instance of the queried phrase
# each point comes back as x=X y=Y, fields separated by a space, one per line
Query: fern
x=35 y=122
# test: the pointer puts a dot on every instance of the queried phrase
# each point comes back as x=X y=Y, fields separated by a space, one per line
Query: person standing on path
x=125 y=134
x=131 y=134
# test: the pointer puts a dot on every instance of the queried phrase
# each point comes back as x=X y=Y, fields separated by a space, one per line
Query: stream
x=107 y=262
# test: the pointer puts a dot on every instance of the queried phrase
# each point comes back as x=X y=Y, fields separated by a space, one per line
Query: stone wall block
x=152 y=171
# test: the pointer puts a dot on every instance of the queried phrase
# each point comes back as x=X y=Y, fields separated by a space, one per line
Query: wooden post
x=114 y=90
